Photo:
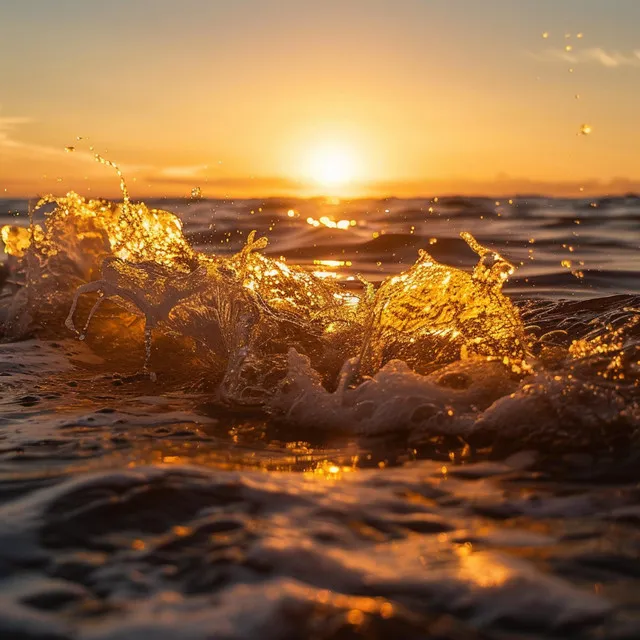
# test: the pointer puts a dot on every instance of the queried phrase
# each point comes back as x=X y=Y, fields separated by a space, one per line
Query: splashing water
x=254 y=329
x=248 y=311
x=433 y=314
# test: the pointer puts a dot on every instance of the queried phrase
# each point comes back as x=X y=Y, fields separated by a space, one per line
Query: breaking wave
x=434 y=350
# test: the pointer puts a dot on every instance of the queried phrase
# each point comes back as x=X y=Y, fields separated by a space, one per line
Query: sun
x=332 y=166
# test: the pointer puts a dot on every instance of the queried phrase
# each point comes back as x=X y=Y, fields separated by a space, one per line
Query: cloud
x=8 y=124
x=236 y=184
x=503 y=186
x=180 y=173
x=26 y=163
x=597 y=55
x=29 y=167
x=11 y=145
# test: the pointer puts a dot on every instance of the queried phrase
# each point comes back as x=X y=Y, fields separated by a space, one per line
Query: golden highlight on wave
x=126 y=271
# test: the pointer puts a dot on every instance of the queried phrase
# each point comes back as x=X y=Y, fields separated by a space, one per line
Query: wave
x=432 y=351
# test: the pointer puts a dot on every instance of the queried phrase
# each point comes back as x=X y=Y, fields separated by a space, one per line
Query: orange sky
x=363 y=97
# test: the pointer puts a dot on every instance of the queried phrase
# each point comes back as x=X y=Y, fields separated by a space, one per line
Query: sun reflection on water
x=481 y=568
x=327 y=470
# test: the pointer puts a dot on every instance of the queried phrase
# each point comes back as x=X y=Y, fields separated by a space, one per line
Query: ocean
x=353 y=423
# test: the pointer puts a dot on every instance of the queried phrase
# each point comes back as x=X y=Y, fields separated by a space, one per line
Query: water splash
x=433 y=314
x=240 y=318
x=247 y=311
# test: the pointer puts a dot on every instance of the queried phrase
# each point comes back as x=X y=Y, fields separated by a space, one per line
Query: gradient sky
x=238 y=96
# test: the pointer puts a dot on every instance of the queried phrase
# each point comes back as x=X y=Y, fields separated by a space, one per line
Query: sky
x=308 y=97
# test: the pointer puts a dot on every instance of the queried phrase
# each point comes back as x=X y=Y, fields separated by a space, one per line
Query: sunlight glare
x=332 y=166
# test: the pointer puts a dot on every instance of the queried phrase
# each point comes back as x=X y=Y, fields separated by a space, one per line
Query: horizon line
x=447 y=195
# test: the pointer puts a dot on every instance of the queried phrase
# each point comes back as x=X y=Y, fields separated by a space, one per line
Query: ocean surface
x=297 y=450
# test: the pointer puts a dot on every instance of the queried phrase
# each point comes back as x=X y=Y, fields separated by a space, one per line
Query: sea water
x=320 y=418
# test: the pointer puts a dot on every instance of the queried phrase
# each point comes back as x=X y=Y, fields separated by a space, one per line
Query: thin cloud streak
x=8 y=124
x=16 y=154
x=10 y=145
x=186 y=172
x=230 y=182
x=597 y=55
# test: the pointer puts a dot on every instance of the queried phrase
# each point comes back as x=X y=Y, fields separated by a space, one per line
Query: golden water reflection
x=481 y=568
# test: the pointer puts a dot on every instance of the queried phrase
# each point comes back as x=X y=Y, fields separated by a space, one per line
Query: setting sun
x=332 y=166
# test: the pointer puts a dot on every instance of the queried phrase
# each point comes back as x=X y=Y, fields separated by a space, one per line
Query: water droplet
x=585 y=129
x=69 y=149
